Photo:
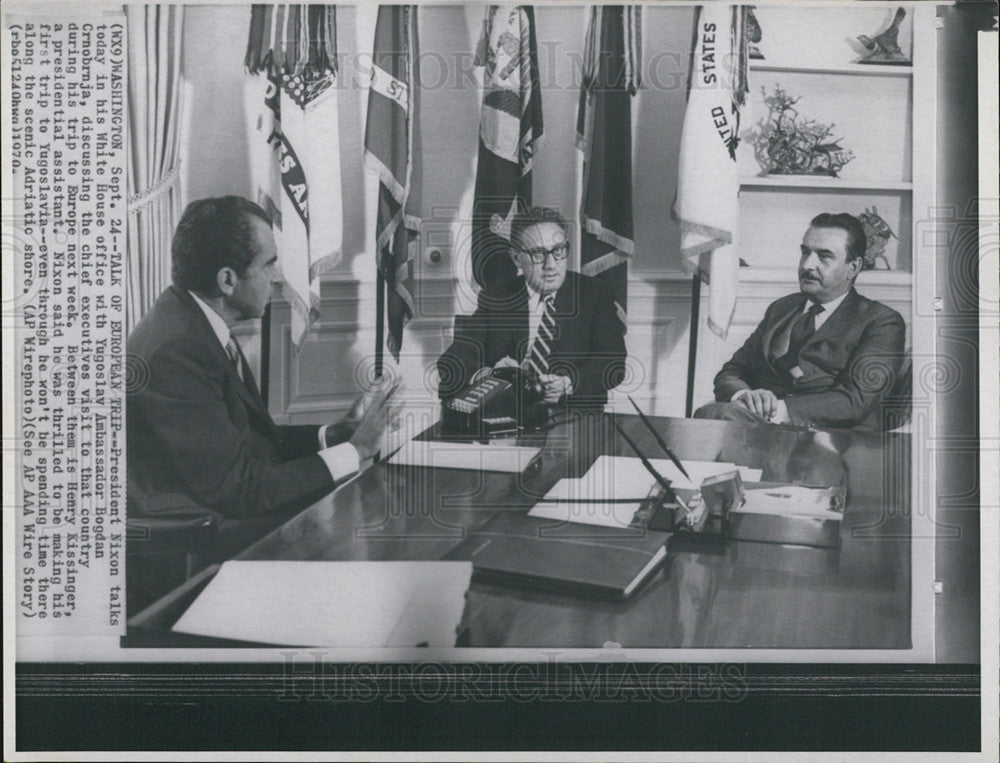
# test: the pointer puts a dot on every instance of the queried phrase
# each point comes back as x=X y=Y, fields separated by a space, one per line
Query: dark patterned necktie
x=541 y=348
x=233 y=350
x=246 y=375
x=804 y=328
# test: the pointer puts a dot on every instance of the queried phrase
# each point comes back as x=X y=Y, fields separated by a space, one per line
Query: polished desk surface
x=746 y=595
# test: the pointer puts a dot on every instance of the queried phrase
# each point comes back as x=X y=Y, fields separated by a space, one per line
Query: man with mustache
x=825 y=357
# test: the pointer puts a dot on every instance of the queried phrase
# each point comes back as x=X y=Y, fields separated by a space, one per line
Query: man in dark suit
x=825 y=357
x=198 y=433
x=559 y=325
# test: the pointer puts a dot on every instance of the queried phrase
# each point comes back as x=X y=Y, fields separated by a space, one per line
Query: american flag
x=390 y=150
x=708 y=184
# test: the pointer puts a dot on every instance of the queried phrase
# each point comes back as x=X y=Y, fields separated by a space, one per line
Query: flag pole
x=379 y=322
x=693 y=342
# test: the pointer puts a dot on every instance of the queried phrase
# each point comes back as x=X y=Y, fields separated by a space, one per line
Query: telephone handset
x=508 y=400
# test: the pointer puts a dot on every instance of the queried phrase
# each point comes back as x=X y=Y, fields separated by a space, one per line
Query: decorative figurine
x=877 y=234
x=754 y=34
x=788 y=144
x=884 y=48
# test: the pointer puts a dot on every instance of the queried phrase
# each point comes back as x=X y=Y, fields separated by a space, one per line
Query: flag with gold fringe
x=295 y=145
x=611 y=77
x=391 y=146
x=708 y=184
x=510 y=126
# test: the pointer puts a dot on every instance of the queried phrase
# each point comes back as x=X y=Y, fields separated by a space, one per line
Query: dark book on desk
x=565 y=556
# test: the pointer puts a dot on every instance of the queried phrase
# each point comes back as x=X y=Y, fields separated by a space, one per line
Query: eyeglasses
x=558 y=252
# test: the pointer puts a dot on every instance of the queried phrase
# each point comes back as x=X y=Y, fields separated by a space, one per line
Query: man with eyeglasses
x=558 y=325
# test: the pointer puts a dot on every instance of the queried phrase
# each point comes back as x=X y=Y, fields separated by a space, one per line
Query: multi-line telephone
x=507 y=401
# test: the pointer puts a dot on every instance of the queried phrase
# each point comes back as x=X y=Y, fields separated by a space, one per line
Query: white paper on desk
x=561 y=502
x=625 y=469
x=493 y=456
x=789 y=500
x=367 y=604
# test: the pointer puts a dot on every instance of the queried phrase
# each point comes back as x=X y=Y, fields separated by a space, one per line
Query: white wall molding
x=319 y=383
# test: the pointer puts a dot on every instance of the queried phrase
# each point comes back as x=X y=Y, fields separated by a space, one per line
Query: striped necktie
x=246 y=376
x=541 y=348
x=233 y=349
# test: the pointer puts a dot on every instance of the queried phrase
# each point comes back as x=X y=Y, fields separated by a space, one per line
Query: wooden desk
x=747 y=595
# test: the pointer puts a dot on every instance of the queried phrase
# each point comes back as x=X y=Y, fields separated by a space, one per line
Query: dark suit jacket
x=589 y=343
x=848 y=365
x=198 y=434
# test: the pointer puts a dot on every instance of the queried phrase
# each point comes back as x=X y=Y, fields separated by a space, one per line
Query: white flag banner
x=707 y=205
x=295 y=160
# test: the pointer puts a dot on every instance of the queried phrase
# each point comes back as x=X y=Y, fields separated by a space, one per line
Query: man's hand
x=380 y=413
x=505 y=362
x=780 y=413
x=344 y=429
x=358 y=409
x=554 y=386
x=763 y=402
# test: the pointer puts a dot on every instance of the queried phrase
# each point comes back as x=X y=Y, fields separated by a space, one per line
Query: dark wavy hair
x=857 y=242
x=213 y=234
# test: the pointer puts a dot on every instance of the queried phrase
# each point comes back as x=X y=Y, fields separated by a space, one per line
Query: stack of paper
x=794 y=500
x=594 y=499
x=493 y=456
x=363 y=604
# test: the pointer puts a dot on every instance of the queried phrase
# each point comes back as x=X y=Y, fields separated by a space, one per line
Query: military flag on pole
x=391 y=144
x=295 y=145
x=611 y=76
x=707 y=203
x=510 y=126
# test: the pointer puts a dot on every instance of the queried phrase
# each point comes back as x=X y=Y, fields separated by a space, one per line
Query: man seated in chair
x=825 y=357
x=199 y=435
x=559 y=326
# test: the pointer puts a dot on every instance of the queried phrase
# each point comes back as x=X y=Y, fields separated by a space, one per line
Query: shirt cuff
x=342 y=461
x=322 y=436
x=781 y=413
x=737 y=395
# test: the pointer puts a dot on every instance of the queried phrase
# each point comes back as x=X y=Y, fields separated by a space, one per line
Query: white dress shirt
x=341 y=460
x=828 y=308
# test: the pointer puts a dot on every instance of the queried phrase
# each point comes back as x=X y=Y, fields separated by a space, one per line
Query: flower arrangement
x=789 y=144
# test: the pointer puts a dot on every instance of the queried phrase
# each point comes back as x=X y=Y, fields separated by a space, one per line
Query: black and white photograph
x=565 y=379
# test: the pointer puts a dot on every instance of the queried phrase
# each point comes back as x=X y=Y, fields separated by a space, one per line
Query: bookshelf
x=824 y=183
x=813 y=53
x=852 y=69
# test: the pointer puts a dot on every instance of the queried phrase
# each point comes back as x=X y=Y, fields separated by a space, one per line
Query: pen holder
x=703 y=516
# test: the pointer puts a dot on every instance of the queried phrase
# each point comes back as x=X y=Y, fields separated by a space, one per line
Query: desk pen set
x=693 y=516
x=699 y=516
